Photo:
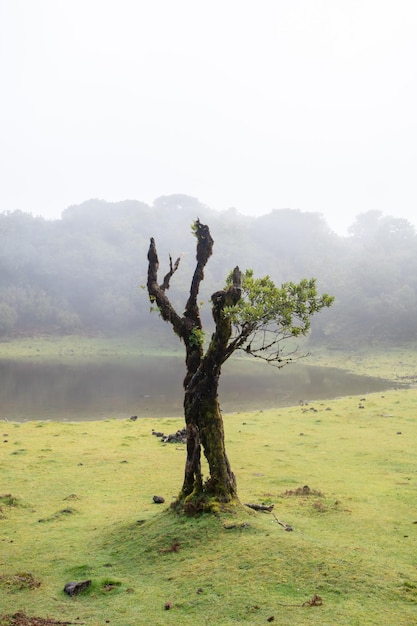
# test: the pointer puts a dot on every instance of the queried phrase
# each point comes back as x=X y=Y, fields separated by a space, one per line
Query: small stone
x=72 y=589
x=158 y=499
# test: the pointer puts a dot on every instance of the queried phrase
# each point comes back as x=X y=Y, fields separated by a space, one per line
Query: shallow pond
x=152 y=387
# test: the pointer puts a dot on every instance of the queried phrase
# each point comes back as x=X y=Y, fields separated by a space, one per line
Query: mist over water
x=152 y=387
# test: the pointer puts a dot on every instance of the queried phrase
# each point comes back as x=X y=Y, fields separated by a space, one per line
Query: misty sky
x=308 y=104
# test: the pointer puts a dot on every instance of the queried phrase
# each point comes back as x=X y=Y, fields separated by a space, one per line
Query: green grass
x=76 y=503
x=79 y=347
x=394 y=363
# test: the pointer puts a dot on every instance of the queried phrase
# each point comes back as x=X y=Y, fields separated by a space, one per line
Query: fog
x=301 y=105
x=83 y=273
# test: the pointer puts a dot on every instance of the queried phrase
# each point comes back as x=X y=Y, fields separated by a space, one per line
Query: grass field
x=76 y=502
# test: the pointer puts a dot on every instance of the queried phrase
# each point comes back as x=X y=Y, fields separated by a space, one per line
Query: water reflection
x=152 y=387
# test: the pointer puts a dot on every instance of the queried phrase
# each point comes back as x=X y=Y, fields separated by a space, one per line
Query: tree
x=249 y=314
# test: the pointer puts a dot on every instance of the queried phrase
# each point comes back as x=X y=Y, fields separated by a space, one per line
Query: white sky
x=265 y=104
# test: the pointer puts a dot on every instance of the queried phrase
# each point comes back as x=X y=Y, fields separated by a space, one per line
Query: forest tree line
x=83 y=272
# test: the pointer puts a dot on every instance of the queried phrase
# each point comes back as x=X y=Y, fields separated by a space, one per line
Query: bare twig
x=172 y=269
x=286 y=527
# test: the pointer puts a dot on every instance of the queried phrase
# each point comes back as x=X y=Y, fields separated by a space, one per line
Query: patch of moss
x=7 y=499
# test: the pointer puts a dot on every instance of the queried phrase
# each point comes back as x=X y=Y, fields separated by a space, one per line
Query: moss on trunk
x=205 y=430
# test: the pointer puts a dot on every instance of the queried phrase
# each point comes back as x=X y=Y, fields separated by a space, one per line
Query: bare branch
x=172 y=269
x=184 y=326
x=237 y=343
x=266 y=344
x=219 y=350
x=237 y=281
x=205 y=244
x=157 y=293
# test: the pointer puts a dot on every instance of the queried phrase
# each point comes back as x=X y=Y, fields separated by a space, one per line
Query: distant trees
x=380 y=293
x=81 y=272
x=291 y=238
x=8 y=318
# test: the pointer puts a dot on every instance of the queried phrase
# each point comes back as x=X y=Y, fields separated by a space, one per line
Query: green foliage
x=289 y=306
x=281 y=312
x=194 y=228
x=8 y=500
x=197 y=337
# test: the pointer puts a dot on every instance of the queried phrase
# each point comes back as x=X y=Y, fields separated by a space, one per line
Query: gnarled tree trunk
x=204 y=423
x=205 y=430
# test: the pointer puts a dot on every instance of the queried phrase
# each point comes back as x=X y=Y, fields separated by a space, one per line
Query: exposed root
x=199 y=504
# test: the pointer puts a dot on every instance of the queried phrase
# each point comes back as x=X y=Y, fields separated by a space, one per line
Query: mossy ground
x=76 y=503
x=96 y=347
